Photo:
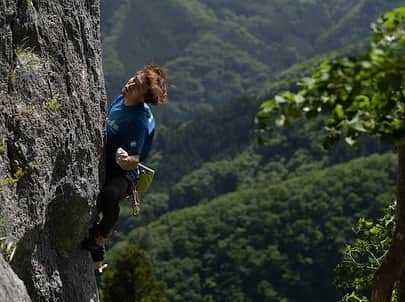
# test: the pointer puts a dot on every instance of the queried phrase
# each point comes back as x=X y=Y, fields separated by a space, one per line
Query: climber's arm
x=131 y=163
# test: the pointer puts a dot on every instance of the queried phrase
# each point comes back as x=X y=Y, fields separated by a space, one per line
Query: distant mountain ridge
x=217 y=50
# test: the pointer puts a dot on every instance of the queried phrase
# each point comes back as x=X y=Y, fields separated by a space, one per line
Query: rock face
x=52 y=102
x=12 y=289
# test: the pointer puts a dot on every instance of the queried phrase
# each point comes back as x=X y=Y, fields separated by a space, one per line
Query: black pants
x=115 y=189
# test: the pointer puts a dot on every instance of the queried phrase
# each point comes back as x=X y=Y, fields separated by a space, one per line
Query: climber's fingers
x=100 y=266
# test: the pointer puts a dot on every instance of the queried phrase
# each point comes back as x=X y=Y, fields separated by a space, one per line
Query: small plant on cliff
x=7 y=248
x=2 y=149
x=52 y=104
x=19 y=172
x=13 y=179
x=25 y=56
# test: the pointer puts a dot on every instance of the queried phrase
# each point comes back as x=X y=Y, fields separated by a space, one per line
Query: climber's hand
x=121 y=157
x=100 y=267
x=125 y=161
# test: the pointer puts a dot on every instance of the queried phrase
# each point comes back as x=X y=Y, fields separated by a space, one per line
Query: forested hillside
x=228 y=219
x=230 y=129
x=272 y=242
x=218 y=50
x=217 y=153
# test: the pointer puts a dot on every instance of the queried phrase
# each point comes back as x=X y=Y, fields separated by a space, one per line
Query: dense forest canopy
x=271 y=243
x=228 y=220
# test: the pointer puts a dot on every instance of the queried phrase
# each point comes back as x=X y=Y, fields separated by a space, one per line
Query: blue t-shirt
x=130 y=127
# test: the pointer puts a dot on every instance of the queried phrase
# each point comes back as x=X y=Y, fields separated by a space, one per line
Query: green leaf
x=281 y=121
x=280 y=100
x=307 y=82
x=359 y=127
x=350 y=141
x=398 y=124
x=339 y=112
x=299 y=99
x=356 y=123
x=268 y=104
x=363 y=102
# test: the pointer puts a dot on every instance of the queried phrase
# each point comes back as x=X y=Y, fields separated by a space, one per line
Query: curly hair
x=155 y=77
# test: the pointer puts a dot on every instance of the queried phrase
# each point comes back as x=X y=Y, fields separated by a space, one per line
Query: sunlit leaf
x=339 y=112
x=350 y=141
x=280 y=122
x=299 y=99
x=280 y=100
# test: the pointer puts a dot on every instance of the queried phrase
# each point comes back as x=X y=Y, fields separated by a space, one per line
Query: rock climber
x=130 y=131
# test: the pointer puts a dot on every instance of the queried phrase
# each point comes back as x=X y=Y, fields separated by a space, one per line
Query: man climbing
x=130 y=131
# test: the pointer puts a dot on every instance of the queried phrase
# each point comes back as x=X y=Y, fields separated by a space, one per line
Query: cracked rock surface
x=52 y=102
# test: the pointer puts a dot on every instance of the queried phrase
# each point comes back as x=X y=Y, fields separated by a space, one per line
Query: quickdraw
x=136 y=202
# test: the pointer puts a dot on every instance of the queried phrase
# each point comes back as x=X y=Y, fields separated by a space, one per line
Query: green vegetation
x=52 y=104
x=291 y=152
x=360 y=96
x=229 y=220
x=217 y=50
x=275 y=243
x=363 y=95
x=132 y=279
x=26 y=57
x=7 y=248
x=191 y=172
x=19 y=172
x=7 y=245
x=2 y=149
x=364 y=256
x=230 y=129
x=11 y=180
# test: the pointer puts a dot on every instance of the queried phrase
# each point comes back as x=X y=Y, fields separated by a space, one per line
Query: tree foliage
x=132 y=279
x=359 y=95
x=364 y=255
x=267 y=243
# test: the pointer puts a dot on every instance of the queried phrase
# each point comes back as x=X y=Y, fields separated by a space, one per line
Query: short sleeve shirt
x=130 y=127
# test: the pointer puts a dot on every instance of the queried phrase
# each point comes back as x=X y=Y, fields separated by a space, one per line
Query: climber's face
x=135 y=88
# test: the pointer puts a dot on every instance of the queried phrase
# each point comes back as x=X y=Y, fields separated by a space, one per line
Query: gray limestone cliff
x=12 y=289
x=52 y=102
